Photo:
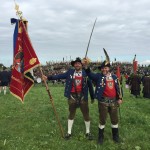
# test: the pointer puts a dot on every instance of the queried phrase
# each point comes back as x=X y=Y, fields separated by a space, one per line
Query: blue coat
x=86 y=83
x=100 y=81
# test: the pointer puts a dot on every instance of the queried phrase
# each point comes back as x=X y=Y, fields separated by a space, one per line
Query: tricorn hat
x=78 y=59
x=106 y=63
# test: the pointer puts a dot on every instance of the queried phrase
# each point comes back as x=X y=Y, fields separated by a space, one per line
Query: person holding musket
x=76 y=91
x=109 y=96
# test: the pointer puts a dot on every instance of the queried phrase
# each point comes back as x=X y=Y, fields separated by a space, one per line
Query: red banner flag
x=25 y=59
x=135 y=66
x=118 y=73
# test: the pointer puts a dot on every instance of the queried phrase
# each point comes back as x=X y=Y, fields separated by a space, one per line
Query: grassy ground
x=32 y=125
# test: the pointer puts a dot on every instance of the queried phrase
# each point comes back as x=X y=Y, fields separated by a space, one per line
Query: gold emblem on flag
x=32 y=61
x=20 y=48
x=20 y=30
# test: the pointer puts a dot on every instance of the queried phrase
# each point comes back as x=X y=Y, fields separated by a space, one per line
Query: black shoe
x=67 y=136
x=100 y=136
x=89 y=136
x=115 y=134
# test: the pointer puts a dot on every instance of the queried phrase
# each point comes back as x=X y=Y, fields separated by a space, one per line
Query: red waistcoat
x=78 y=82
x=110 y=90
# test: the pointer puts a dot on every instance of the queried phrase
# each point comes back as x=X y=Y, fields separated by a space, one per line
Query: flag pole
x=121 y=97
x=52 y=102
x=19 y=13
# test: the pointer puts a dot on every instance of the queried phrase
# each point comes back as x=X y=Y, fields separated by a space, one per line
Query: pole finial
x=18 y=12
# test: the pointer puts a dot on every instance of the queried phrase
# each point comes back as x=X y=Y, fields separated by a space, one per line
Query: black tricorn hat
x=106 y=63
x=78 y=59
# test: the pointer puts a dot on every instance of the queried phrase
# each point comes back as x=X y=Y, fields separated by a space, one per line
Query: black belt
x=108 y=99
x=109 y=104
x=77 y=95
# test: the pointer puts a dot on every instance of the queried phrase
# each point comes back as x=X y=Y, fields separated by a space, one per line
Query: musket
x=90 y=39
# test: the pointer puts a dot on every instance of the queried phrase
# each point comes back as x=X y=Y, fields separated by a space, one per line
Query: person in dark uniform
x=135 y=82
x=76 y=90
x=109 y=96
x=146 y=85
x=4 y=79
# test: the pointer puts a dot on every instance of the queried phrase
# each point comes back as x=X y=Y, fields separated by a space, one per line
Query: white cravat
x=109 y=77
x=78 y=74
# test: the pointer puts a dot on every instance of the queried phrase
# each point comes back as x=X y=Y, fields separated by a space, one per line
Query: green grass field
x=32 y=125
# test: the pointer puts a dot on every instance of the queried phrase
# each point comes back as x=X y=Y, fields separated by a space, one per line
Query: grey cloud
x=62 y=28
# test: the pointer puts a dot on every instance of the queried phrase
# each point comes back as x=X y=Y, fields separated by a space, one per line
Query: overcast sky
x=61 y=28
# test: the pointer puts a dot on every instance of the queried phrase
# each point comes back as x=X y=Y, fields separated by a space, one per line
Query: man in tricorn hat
x=76 y=90
x=109 y=96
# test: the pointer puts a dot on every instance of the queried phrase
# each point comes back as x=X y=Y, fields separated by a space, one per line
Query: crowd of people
x=133 y=82
x=54 y=68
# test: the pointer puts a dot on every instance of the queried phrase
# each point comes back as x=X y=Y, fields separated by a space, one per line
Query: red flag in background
x=118 y=73
x=135 y=66
x=25 y=59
